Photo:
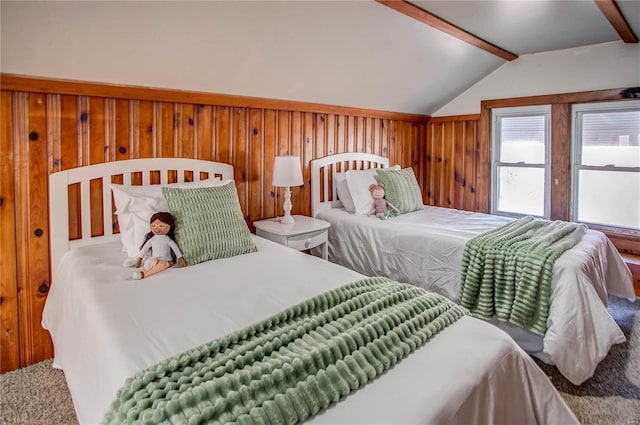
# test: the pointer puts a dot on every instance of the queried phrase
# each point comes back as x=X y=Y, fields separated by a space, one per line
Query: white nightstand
x=304 y=233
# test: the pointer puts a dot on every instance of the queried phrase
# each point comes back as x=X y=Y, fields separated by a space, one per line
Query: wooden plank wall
x=451 y=155
x=47 y=126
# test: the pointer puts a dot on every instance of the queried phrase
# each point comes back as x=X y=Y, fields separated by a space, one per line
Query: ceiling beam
x=440 y=24
x=611 y=11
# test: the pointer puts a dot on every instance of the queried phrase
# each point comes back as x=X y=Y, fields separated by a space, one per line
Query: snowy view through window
x=608 y=185
x=521 y=176
x=605 y=195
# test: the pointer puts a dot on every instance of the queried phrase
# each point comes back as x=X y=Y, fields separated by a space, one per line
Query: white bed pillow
x=340 y=181
x=136 y=204
x=358 y=182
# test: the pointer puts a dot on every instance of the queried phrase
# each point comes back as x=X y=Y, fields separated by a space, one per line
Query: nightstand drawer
x=303 y=234
x=307 y=241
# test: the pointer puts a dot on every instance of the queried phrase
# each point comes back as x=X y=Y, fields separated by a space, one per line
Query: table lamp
x=287 y=172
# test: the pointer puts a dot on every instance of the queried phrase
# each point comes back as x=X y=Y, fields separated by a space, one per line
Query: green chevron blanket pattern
x=292 y=365
x=507 y=271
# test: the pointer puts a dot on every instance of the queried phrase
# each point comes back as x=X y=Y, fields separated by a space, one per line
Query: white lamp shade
x=287 y=171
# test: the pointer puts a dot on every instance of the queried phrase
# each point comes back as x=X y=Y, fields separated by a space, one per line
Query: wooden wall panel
x=145 y=135
x=457 y=195
x=468 y=179
x=256 y=155
x=123 y=139
x=203 y=135
x=268 y=155
x=222 y=134
x=97 y=146
x=449 y=156
x=32 y=242
x=561 y=162
x=9 y=318
x=47 y=131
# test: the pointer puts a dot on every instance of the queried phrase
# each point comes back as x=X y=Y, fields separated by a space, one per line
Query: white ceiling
x=352 y=53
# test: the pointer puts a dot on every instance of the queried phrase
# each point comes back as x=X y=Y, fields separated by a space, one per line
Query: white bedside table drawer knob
x=307 y=242
x=305 y=233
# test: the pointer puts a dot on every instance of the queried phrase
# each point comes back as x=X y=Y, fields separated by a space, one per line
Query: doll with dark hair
x=160 y=242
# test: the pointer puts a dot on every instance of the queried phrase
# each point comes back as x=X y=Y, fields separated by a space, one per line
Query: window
x=606 y=164
x=520 y=161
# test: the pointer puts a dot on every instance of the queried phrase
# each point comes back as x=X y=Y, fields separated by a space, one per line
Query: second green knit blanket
x=507 y=272
x=291 y=366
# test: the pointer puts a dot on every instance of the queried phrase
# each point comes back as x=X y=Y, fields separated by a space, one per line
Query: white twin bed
x=106 y=327
x=425 y=248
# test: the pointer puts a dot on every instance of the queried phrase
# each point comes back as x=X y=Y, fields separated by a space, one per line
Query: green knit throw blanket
x=507 y=272
x=291 y=366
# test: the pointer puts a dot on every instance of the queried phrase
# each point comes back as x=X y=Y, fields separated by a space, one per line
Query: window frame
x=519 y=111
x=577 y=112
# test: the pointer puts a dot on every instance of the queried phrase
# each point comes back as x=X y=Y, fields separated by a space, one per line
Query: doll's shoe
x=137 y=275
x=148 y=264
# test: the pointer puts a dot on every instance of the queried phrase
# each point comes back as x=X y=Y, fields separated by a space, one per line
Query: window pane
x=522 y=139
x=521 y=190
x=611 y=138
x=609 y=197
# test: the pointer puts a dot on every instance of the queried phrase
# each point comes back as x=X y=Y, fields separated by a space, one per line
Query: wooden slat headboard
x=323 y=191
x=146 y=170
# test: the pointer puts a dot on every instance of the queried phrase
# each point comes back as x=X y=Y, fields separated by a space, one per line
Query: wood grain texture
x=633 y=262
x=550 y=99
x=32 y=240
x=611 y=11
x=468 y=179
x=449 y=162
x=46 y=130
x=482 y=159
x=560 y=162
x=440 y=24
x=9 y=308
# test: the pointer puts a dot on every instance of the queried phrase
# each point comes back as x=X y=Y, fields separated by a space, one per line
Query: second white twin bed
x=425 y=248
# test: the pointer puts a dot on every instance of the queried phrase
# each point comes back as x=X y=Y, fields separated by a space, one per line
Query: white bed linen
x=425 y=248
x=106 y=327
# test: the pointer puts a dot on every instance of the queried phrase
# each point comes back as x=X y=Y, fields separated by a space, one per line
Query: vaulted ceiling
x=354 y=53
x=534 y=26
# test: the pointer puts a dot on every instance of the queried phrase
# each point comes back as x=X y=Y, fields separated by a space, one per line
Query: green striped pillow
x=209 y=223
x=401 y=189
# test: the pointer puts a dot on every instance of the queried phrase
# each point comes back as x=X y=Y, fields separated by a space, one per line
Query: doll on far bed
x=161 y=242
x=381 y=207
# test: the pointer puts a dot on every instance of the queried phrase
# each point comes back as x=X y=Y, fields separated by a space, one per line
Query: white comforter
x=425 y=248
x=105 y=327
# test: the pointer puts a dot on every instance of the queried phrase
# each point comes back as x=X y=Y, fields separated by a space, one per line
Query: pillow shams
x=136 y=204
x=358 y=182
x=340 y=180
x=401 y=189
x=209 y=223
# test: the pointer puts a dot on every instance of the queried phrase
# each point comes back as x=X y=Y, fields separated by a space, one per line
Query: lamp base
x=287 y=219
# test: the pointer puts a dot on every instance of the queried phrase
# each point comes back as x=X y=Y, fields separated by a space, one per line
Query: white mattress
x=105 y=327
x=425 y=248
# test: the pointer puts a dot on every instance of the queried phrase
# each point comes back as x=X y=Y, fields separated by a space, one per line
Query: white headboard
x=322 y=170
x=149 y=168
